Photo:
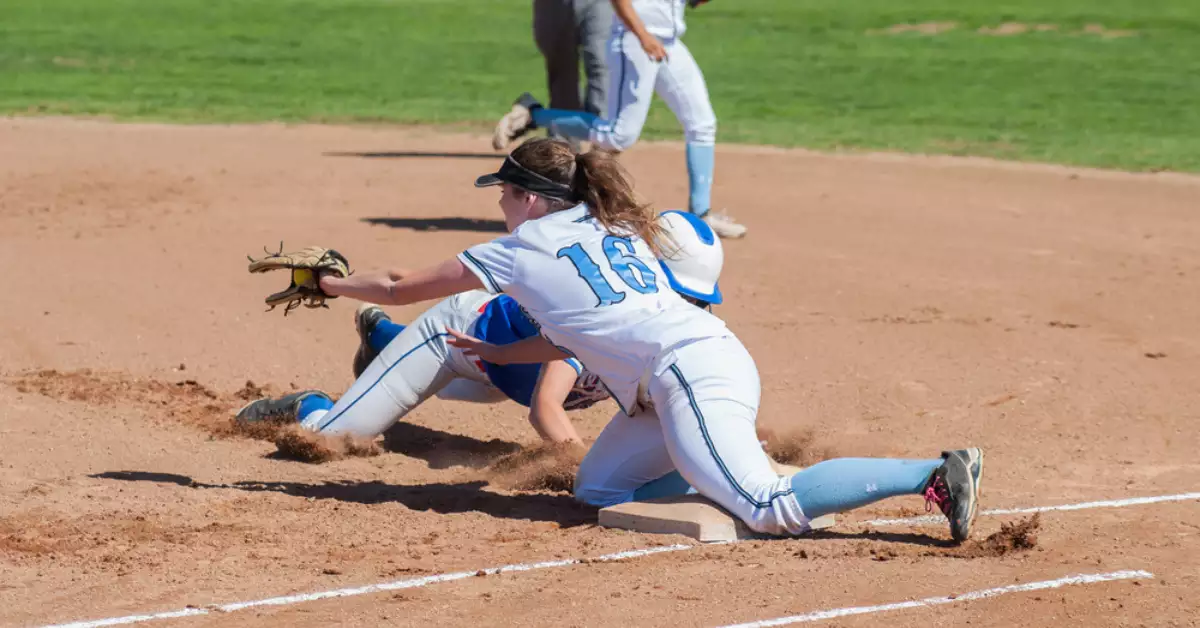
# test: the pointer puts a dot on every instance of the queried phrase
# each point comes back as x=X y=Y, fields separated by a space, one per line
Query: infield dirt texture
x=894 y=304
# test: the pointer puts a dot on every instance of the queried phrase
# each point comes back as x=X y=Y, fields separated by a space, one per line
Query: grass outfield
x=1112 y=83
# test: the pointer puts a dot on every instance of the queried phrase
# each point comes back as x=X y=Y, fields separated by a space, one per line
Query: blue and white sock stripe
x=487 y=274
x=329 y=419
x=713 y=450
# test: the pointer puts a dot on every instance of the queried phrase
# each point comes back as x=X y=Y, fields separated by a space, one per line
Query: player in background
x=417 y=363
x=645 y=55
x=581 y=259
x=566 y=31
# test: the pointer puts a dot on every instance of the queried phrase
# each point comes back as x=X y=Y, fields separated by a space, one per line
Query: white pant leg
x=681 y=85
x=415 y=365
x=471 y=391
x=628 y=454
x=631 y=80
x=706 y=396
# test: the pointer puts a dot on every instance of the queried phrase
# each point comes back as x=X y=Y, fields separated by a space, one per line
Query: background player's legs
x=681 y=84
x=594 y=23
x=629 y=454
x=554 y=31
x=631 y=88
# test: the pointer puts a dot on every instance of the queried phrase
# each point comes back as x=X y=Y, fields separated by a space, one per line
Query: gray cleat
x=954 y=487
x=516 y=122
x=282 y=410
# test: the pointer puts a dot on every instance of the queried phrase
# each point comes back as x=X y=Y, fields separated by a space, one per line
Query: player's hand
x=473 y=346
x=654 y=48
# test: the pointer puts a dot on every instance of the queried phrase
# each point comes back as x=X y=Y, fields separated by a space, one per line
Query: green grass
x=786 y=72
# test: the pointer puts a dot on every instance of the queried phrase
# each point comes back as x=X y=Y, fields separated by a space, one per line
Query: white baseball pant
x=705 y=399
x=633 y=80
x=414 y=366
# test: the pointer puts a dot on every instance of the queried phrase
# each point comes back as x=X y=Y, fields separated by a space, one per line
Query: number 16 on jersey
x=622 y=260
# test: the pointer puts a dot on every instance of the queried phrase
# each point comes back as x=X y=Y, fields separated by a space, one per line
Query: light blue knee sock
x=847 y=483
x=573 y=124
x=700 y=162
x=312 y=403
x=831 y=486
x=669 y=485
x=383 y=333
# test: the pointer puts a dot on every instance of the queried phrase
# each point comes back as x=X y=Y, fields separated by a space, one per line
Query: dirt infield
x=894 y=305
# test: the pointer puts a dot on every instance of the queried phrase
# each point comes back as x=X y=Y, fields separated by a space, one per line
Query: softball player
x=417 y=363
x=581 y=260
x=645 y=55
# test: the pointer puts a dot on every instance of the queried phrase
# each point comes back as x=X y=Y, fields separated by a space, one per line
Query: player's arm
x=653 y=47
x=401 y=287
x=546 y=412
x=394 y=274
x=532 y=350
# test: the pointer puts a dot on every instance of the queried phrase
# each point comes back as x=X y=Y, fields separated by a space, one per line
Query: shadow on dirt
x=413 y=154
x=449 y=223
x=906 y=538
x=442 y=450
x=440 y=498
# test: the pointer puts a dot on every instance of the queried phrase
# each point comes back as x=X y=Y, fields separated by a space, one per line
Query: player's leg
x=471 y=391
x=707 y=408
x=628 y=461
x=631 y=88
x=414 y=365
x=556 y=34
x=594 y=23
x=410 y=369
x=681 y=85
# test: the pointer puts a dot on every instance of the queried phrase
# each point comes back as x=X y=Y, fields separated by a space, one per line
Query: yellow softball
x=303 y=277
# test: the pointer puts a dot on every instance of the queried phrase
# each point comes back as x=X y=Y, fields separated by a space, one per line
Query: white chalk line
x=950 y=599
x=373 y=588
x=1111 y=503
x=428 y=580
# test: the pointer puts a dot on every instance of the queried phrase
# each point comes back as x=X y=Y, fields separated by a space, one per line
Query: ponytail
x=601 y=183
x=597 y=179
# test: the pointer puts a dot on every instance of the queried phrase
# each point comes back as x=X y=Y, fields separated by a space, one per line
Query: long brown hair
x=597 y=179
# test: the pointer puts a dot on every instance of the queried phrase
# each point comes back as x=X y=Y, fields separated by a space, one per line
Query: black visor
x=526 y=179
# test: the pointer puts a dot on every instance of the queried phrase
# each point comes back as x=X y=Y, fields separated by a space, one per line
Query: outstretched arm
x=399 y=287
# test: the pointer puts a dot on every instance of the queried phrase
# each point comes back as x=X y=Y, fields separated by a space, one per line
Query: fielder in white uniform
x=581 y=260
x=646 y=54
x=397 y=367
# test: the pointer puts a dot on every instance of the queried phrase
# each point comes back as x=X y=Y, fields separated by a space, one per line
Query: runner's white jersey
x=663 y=18
x=601 y=297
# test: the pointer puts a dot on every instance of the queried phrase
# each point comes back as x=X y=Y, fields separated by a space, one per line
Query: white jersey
x=601 y=297
x=663 y=18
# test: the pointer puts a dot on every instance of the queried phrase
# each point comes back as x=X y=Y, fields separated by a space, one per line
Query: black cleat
x=365 y=320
